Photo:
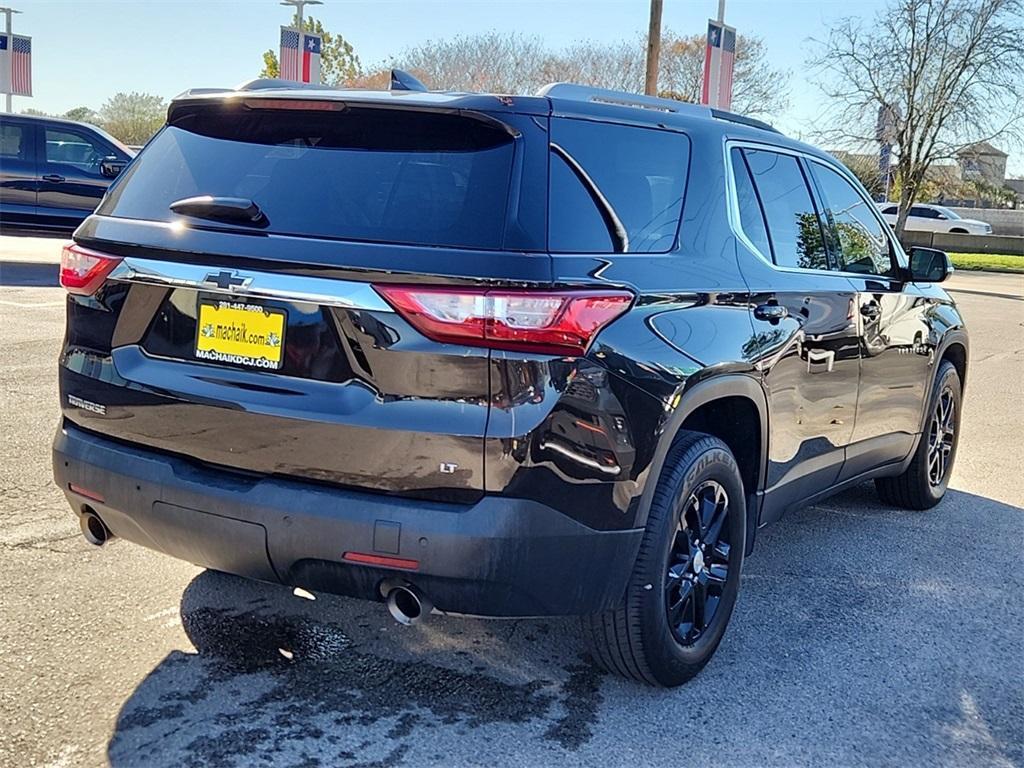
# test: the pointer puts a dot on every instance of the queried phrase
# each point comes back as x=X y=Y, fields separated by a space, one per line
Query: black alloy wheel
x=687 y=573
x=698 y=562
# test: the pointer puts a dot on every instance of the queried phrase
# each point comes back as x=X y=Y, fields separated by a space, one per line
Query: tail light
x=83 y=271
x=548 y=322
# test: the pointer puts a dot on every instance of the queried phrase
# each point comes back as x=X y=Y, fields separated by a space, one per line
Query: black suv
x=495 y=355
x=54 y=172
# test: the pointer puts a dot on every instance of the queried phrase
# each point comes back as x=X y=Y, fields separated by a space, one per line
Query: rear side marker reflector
x=546 y=322
x=82 y=270
x=385 y=562
x=86 y=492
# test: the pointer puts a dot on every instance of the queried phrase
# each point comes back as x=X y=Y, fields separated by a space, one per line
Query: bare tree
x=949 y=72
x=619 y=66
x=759 y=89
x=493 y=61
x=513 y=63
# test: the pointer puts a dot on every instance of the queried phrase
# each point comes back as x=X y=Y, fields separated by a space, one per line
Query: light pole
x=299 y=6
x=8 y=12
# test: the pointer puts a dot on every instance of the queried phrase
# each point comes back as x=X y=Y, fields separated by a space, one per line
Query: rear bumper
x=499 y=557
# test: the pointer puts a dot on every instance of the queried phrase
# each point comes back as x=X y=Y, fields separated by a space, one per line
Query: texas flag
x=300 y=61
x=719 y=57
x=311 y=58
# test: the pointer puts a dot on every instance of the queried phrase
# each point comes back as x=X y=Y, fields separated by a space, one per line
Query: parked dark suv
x=492 y=355
x=53 y=172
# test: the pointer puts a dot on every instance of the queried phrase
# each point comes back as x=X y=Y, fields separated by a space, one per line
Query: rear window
x=606 y=178
x=398 y=176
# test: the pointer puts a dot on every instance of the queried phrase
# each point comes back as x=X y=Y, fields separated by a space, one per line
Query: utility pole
x=653 y=49
x=721 y=10
x=8 y=12
x=299 y=5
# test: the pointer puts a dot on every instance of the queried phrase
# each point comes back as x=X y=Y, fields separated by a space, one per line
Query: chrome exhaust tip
x=408 y=605
x=94 y=530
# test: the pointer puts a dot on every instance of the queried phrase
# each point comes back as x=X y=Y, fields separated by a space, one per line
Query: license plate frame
x=239 y=331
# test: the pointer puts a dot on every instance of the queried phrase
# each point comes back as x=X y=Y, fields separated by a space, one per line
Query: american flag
x=16 y=65
x=291 y=55
x=719 y=57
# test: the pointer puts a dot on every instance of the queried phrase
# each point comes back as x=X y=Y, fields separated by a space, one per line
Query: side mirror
x=929 y=265
x=941 y=216
x=111 y=166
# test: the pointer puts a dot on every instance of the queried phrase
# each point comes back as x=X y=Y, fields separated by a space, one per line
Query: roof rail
x=575 y=92
x=732 y=117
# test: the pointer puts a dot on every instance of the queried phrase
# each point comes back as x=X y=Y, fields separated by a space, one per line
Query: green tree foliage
x=82 y=115
x=338 y=61
x=133 y=117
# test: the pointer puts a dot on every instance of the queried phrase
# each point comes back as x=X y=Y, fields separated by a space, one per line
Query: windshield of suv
x=382 y=175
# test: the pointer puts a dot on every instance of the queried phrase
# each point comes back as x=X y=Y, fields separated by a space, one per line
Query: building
x=982 y=162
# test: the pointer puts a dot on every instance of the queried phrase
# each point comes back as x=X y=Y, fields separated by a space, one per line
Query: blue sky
x=86 y=50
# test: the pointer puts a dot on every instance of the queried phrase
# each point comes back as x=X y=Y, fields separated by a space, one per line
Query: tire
x=923 y=484
x=958 y=231
x=637 y=639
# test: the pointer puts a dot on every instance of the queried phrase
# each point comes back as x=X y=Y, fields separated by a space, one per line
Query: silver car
x=936 y=218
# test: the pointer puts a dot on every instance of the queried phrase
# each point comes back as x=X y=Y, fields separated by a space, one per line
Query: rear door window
x=15 y=142
x=380 y=175
x=794 y=228
x=615 y=187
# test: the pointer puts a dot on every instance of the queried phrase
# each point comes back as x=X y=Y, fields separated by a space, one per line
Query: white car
x=935 y=218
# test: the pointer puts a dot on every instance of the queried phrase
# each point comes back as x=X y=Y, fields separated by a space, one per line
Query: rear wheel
x=923 y=484
x=686 y=577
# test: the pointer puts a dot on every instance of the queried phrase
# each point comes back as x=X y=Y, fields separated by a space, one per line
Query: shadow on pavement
x=863 y=635
x=28 y=273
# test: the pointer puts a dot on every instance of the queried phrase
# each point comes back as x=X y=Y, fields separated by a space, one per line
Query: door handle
x=770 y=312
x=53 y=177
x=871 y=310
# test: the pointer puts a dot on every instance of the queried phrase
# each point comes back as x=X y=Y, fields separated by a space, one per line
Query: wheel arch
x=955 y=348
x=698 y=406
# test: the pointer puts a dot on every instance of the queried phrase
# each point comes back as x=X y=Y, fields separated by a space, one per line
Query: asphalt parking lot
x=863 y=635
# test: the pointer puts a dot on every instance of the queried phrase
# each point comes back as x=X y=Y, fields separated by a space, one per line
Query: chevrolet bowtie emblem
x=227 y=281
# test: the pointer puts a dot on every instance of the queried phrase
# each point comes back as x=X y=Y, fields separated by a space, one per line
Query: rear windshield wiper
x=616 y=229
x=238 y=210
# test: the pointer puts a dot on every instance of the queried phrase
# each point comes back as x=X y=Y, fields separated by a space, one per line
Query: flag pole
x=8 y=12
x=721 y=11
